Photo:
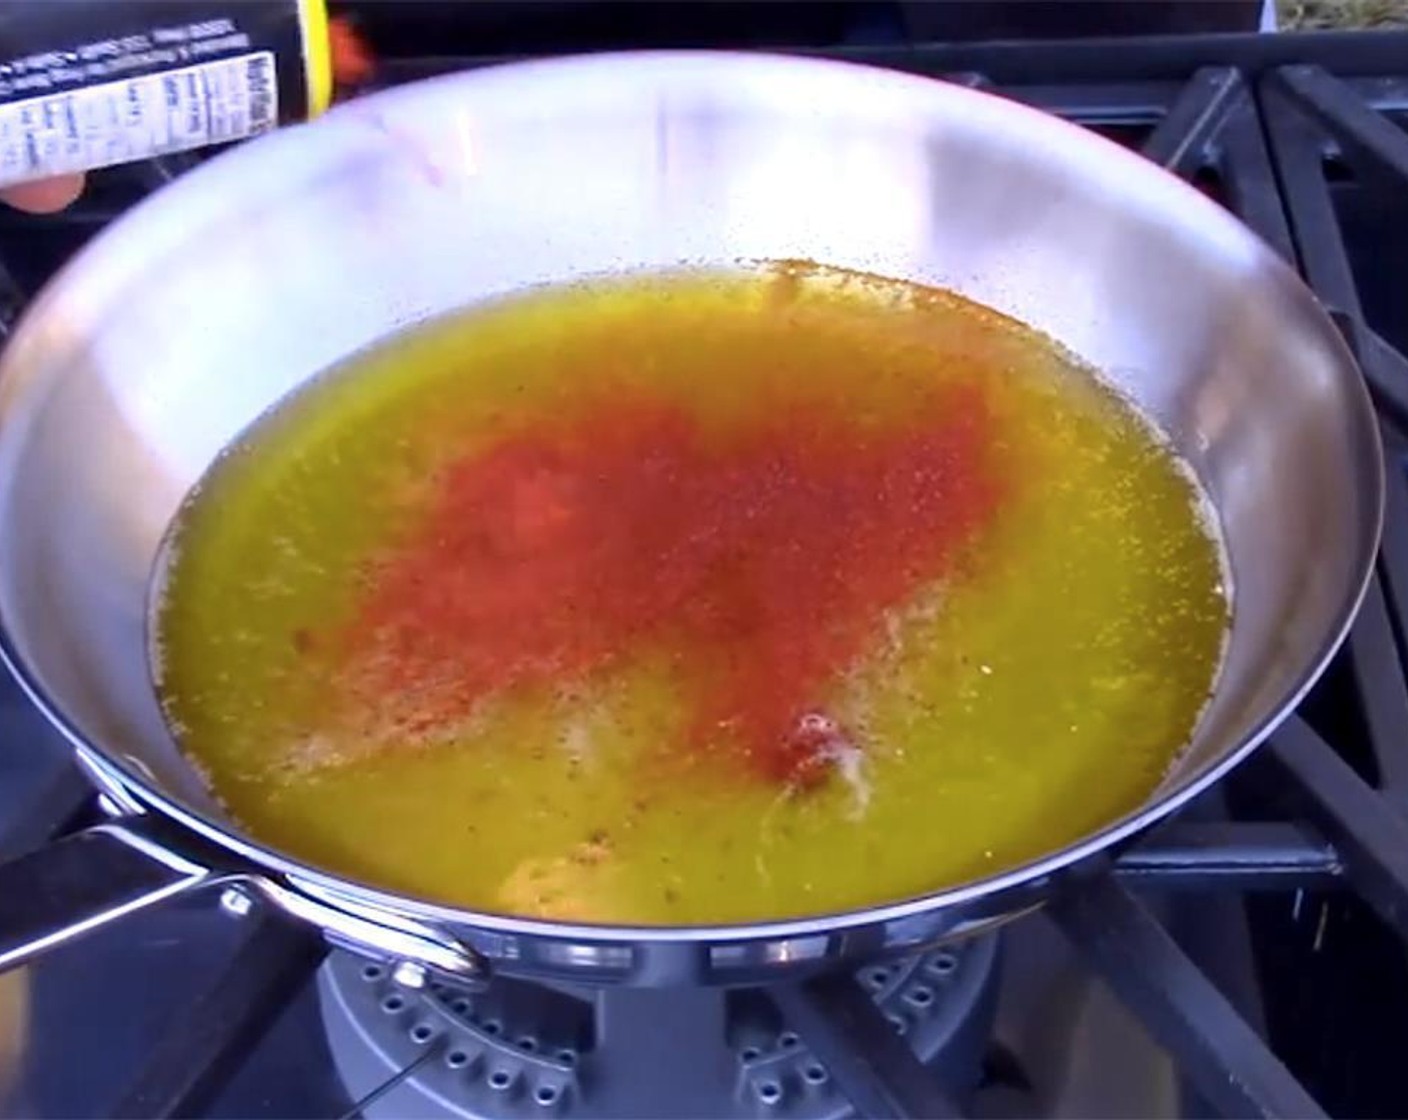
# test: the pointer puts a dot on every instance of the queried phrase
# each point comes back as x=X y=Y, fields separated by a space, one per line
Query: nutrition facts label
x=138 y=118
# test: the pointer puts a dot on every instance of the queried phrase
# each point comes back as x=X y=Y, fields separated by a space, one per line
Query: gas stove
x=1246 y=958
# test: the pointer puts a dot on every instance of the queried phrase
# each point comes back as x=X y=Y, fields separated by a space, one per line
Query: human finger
x=44 y=196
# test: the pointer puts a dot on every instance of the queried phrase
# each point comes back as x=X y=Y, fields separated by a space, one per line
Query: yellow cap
x=317 y=54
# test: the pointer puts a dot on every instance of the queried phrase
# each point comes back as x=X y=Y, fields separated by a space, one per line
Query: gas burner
x=521 y=1050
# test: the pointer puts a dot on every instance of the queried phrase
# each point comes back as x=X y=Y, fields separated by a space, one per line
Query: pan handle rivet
x=235 y=902
x=409 y=974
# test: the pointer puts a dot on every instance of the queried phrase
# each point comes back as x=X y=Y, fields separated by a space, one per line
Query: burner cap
x=521 y=1050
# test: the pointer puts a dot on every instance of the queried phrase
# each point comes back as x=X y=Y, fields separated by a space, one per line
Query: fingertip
x=45 y=196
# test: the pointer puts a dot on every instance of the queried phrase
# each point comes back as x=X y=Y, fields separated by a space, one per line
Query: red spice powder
x=762 y=563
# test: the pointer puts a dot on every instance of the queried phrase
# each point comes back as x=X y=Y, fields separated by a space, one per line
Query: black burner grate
x=1318 y=840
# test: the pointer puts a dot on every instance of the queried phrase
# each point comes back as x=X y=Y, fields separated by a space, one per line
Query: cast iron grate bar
x=1382 y=93
x=208 y=1042
x=1244 y=165
x=1383 y=689
x=1222 y=1056
x=1298 y=149
x=1370 y=837
x=1383 y=696
x=1393 y=550
x=1098 y=105
x=1231 y=855
x=1390 y=371
x=874 y=1067
x=1212 y=126
x=1361 y=133
x=1181 y=141
x=1300 y=142
x=1215 y=932
x=1310 y=116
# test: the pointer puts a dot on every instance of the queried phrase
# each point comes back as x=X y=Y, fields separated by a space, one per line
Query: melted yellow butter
x=1003 y=715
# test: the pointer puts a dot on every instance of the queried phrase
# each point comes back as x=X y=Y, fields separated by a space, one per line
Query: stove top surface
x=1247 y=957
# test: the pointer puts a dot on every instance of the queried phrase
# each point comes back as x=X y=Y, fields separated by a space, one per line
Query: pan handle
x=73 y=886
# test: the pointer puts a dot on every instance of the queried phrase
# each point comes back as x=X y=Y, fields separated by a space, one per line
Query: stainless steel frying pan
x=195 y=313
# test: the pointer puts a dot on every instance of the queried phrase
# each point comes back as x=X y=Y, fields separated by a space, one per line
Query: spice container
x=91 y=83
